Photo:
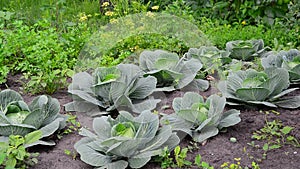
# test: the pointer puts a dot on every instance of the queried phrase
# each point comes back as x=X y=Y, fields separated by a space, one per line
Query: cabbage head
x=198 y=118
x=289 y=60
x=245 y=50
x=209 y=56
x=171 y=71
x=124 y=141
x=122 y=87
x=259 y=88
x=18 y=118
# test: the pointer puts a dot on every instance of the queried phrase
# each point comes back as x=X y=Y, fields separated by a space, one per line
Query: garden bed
x=216 y=151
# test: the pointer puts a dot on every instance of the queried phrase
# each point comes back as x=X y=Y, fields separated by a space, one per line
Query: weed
x=73 y=154
x=237 y=165
x=72 y=126
x=13 y=153
x=166 y=161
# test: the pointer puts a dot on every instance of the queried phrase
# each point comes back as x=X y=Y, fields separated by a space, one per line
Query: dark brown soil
x=216 y=151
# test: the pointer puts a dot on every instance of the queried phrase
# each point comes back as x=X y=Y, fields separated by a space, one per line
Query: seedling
x=13 y=153
x=72 y=126
x=180 y=160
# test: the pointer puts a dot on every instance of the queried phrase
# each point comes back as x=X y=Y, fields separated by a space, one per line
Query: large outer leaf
x=253 y=94
x=197 y=85
x=40 y=142
x=101 y=74
x=148 y=104
x=165 y=63
x=142 y=88
x=186 y=102
x=15 y=129
x=216 y=107
x=138 y=162
x=278 y=80
x=4 y=119
x=44 y=110
x=295 y=74
x=290 y=102
x=178 y=123
x=81 y=81
x=162 y=136
x=102 y=128
x=189 y=70
x=84 y=106
x=7 y=96
x=271 y=59
x=85 y=96
x=129 y=72
x=229 y=118
x=50 y=128
x=205 y=133
x=121 y=164
x=90 y=156
x=148 y=58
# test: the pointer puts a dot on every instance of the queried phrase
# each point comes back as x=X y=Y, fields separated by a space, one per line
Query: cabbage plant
x=171 y=71
x=289 y=60
x=245 y=50
x=124 y=141
x=209 y=56
x=122 y=87
x=212 y=58
x=198 y=118
x=259 y=88
x=18 y=118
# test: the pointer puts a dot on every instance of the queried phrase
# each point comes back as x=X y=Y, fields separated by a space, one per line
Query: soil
x=215 y=151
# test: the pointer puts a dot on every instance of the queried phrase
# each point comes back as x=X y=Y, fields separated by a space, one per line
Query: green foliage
x=72 y=125
x=136 y=44
x=180 y=157
x=260 y=11
x=41 y=54
x=277 y=37
x=164 y=159
x=275 y=133
x=13 y=153
x=237 y=165
x=201 y=120
x=180 y=154
x=125 y=141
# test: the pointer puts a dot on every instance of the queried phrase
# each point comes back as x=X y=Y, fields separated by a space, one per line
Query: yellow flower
x=244 y=23
x=109 y=13
x=82 y=17
x=155 y=7
x=89 y=15
x=105 y=4
x=149 y=14
x=113 y=21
